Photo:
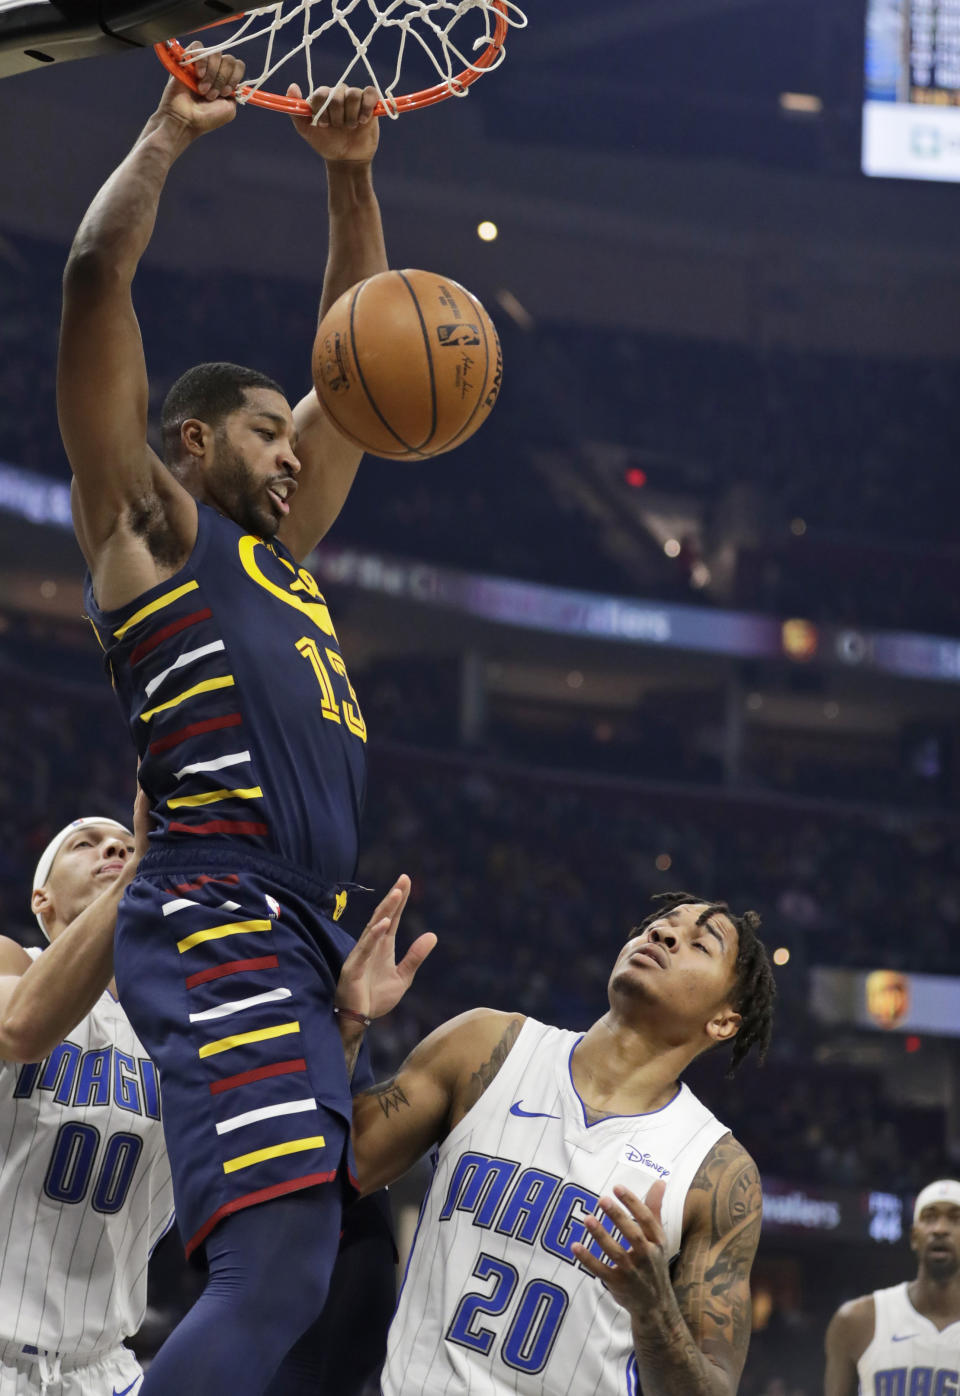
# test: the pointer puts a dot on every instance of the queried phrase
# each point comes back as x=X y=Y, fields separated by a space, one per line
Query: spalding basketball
x=407 y=364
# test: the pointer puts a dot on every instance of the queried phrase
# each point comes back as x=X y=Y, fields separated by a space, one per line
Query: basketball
x=407 y=364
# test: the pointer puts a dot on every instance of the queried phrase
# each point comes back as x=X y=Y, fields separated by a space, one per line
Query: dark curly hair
x=754 y=988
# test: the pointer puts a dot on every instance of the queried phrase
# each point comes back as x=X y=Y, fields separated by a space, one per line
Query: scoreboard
x=911 y=113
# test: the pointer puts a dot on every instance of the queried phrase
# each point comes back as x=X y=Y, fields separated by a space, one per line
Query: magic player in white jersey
x=85 y=1191
x=590 y=1226
x=905 y=1341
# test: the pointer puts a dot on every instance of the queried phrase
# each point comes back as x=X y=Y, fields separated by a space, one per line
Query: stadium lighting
x=487 y=231
x=801 y=103
x=671 y=547
x=781 y=956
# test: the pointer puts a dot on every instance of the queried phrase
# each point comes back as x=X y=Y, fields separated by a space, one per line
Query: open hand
x=371 y=981
x=214 y=104
x=347 y=130
x=638 y=1274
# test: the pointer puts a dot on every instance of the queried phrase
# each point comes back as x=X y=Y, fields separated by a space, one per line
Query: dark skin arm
x=346 y=137
x=124 y=498
x=849 y=1335
x=690 y=1331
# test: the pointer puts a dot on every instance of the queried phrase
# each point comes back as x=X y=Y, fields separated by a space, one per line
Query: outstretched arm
x=101 y=376
x=42 y=1000
x=347 y=140
x=690 y=1334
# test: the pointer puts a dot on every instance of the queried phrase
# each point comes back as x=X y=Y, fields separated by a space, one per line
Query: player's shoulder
x=478 y=1030
x=852 y=1326
x=14 y=960
x=726 y=1189
x=726 y=1162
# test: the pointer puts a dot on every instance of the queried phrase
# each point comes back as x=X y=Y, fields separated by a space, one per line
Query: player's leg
x=346 y=1346
x=270 y=1268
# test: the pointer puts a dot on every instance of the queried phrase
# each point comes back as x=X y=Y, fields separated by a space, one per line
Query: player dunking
x=85 y=1188
x=251 y=741
x=905 y=1341
x=590 y=1226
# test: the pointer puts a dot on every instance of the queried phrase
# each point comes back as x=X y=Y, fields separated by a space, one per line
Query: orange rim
x=171 y=54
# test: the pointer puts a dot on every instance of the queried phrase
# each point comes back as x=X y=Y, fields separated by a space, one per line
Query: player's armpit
x=712 y=1277
x=848 y=1337
x=398 y=1121
x=328 y=468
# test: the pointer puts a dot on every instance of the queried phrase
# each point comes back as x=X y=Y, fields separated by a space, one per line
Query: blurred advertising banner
x=842 y=1214
x=887 y=1000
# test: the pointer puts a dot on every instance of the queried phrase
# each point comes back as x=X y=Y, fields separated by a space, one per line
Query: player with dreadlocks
x=590 y=1225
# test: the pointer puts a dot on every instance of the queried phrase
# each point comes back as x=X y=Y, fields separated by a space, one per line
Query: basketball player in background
x=590 y=1225
x=85 y=1189
x=252 y=744
x=905 y=1341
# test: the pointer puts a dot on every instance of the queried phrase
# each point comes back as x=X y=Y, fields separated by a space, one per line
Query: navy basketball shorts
x=227 y=968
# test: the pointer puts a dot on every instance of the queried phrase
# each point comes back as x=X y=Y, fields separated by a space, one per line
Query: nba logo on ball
x=458 y=334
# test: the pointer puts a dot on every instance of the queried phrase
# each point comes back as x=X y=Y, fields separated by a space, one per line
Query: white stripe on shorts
x=178 y=905
x=266 y=1112
x=223 y=1010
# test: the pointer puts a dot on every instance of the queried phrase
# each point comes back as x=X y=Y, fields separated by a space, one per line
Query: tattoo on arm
x=481 y=1079
x=389 y=1096
x=712 y=1283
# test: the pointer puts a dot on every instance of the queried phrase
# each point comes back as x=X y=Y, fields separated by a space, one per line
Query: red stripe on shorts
x=219 y=826
x=232 y=878
x=232 y=967
x=173 y=628
x=258 y=1073
x=196 y=729
x=251 y=1199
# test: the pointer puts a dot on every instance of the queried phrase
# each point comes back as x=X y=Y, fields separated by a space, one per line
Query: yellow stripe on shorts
x=152 y=607
x=208 y=686
x=212 y=797
x=295 y=1146
x=232 y=928
x=240 y=1039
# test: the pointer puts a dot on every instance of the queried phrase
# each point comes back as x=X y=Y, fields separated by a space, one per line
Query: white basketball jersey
x=494 y=1300
x=908 y=1356
x=85 y=1188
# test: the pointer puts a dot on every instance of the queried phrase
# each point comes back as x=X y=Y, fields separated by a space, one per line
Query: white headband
x=943 y=1190
x=56 y=843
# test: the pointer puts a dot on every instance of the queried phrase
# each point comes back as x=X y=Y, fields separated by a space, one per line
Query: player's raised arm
x=347 y=139
x=101 y=378
x=691 y=1331
x=849 y=1334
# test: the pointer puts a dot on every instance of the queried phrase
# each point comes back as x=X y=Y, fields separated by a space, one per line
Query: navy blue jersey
x=248 y=729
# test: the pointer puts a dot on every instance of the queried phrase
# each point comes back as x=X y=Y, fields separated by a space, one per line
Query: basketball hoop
x=428 y=24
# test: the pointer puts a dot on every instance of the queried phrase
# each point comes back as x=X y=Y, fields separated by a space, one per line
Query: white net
x=459 y=39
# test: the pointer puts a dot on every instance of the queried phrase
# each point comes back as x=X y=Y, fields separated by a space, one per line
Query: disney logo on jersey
x=639 y=1159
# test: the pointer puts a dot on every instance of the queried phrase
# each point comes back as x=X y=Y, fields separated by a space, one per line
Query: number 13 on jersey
x=347 y=710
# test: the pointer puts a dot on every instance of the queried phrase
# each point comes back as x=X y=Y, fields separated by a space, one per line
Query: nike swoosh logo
x=127 y=1388
x=517 y=1109
x=902 y=1337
